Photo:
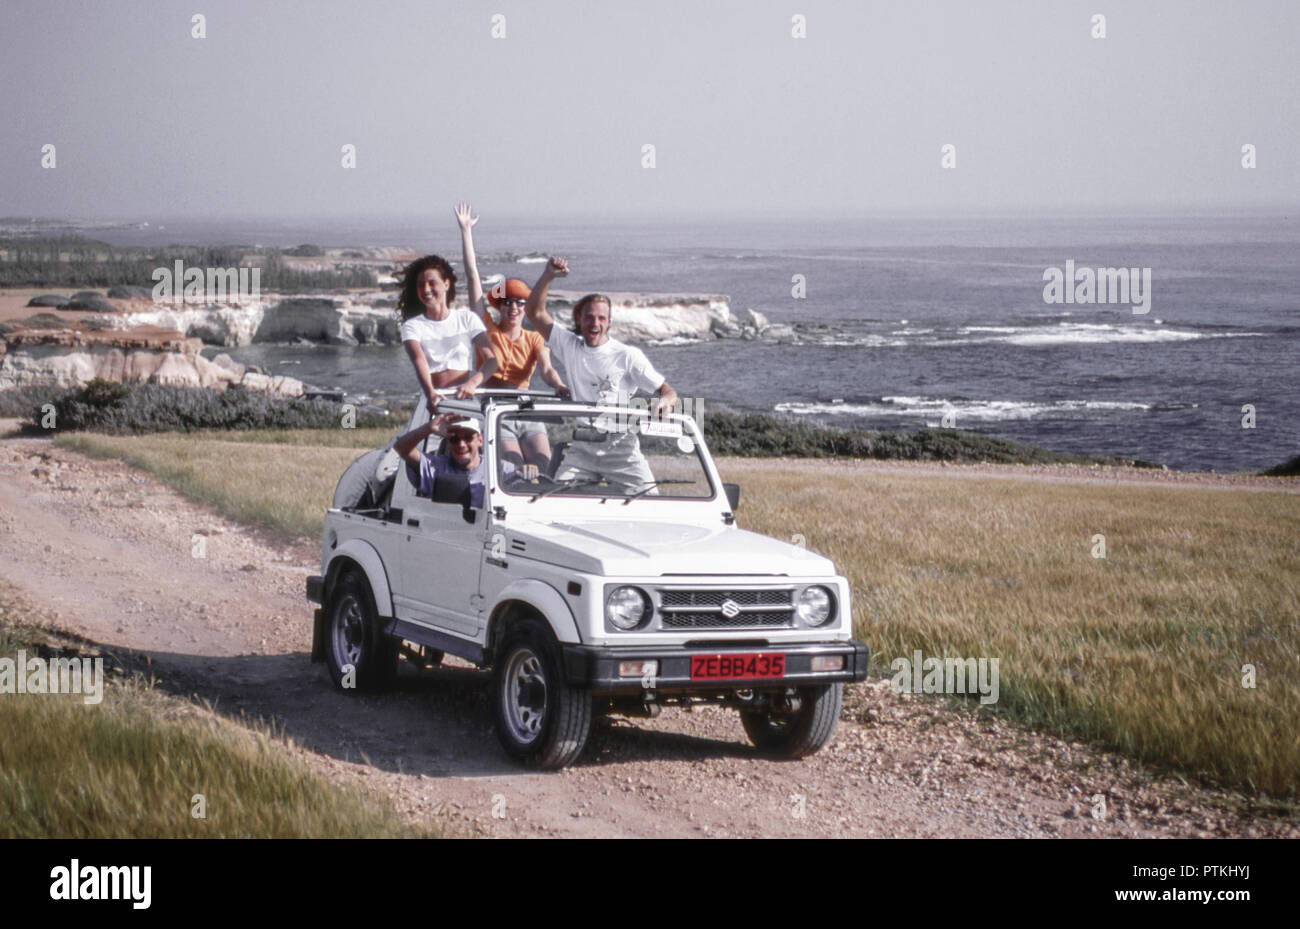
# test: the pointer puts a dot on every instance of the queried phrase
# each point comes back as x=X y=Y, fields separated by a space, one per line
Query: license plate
x=737 y=667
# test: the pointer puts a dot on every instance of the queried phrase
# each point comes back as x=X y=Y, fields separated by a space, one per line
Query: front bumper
x=596 y=667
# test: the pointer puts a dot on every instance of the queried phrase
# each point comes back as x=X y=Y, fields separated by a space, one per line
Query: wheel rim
x=525 y=696
x=348 y=631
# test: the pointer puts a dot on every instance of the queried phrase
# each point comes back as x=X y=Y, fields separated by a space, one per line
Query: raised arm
x=536 y=305
x=408 y=445
x=466 y=221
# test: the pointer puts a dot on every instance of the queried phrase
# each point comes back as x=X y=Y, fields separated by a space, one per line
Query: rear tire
x=801 y=733
x=540 y=720
x=359 y=655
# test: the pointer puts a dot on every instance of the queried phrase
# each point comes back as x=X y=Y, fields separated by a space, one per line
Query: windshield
x=621 y=454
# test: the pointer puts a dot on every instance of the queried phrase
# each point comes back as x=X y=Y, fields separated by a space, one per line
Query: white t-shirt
x=447 y=343
x=609 y=374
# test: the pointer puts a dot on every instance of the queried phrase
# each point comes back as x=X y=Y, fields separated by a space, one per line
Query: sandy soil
x=218 y=612
x=14 y=306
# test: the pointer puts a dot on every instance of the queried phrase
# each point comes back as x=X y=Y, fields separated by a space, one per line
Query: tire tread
x=810 y=729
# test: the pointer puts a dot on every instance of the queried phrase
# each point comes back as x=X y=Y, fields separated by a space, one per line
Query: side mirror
x=733 y=494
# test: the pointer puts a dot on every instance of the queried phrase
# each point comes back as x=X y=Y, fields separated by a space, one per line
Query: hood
x=652 y=548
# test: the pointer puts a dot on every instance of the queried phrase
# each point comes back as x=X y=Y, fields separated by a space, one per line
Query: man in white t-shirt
x=601 y=370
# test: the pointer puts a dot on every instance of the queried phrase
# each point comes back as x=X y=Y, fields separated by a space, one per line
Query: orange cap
x=511 y=289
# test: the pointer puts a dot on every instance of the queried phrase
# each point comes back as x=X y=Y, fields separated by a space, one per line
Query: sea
x=900 y=323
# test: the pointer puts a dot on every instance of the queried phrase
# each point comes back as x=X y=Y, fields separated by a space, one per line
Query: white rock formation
x=70 y=358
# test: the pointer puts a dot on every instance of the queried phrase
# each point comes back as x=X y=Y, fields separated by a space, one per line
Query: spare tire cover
x=370 y=471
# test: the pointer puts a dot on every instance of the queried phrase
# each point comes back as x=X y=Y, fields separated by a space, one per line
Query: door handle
x=413 y=522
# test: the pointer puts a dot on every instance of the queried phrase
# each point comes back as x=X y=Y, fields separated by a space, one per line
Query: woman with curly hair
x=443 y=343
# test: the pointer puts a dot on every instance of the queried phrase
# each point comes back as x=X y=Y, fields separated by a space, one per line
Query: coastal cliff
x=371 y=318
x=70 y=357
x=140 y=340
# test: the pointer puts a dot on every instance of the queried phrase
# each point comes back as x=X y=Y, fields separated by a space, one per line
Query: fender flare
x=546 y=600
x=367 y=558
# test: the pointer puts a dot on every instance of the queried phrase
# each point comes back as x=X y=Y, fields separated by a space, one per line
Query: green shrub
x=1288 y=468
x=44 y=321
x=120 y=409
x=76 y=261
x=21 y=401
x=758 y=435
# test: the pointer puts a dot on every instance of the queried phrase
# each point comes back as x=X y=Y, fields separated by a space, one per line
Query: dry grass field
x=1142 y=650
x=284 y=482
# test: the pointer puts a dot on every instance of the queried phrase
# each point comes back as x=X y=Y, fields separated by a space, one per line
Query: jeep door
x=441 y=556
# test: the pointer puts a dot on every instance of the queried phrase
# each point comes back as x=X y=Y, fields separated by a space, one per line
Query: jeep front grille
x=711 y=608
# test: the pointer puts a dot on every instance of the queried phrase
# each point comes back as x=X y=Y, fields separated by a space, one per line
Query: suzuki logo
x=730 y=608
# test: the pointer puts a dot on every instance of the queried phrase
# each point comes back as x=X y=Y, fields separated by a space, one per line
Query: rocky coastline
x=73 y=356
x=371 y=318
x=127 y=336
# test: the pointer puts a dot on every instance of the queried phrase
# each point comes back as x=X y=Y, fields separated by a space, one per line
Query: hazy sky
x=551 y=119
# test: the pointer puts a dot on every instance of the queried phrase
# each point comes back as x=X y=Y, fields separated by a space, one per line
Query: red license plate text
x=737 y=667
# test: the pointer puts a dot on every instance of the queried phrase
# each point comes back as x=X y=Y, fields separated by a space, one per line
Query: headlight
x=626 y=608
x=814 y=605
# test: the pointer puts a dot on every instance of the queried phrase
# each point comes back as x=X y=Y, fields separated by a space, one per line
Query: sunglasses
x=515 y=302
x=459 y=436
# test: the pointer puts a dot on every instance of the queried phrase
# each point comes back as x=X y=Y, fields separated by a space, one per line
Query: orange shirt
x=517 y=359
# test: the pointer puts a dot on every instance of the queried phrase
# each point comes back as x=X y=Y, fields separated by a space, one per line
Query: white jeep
x=615 y=580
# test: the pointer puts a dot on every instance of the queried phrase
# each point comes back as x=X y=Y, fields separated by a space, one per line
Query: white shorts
x=619 y=461
x=520 y=429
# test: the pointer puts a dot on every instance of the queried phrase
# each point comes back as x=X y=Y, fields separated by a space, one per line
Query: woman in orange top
x=518 y=351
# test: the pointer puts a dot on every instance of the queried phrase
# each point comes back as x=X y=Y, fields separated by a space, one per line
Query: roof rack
x=498 y=392
x=484 y=396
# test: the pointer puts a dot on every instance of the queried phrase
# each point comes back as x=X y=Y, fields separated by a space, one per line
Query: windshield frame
x=534 y=494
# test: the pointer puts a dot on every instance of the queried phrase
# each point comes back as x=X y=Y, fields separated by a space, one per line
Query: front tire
x=540 y=720
x=801 y=733
x=359 y=655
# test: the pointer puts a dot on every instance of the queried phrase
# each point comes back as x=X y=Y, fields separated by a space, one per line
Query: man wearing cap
x=464 y=456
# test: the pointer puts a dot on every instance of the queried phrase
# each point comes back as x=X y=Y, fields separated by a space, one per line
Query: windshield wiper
x=571 y=483
x=651 y=485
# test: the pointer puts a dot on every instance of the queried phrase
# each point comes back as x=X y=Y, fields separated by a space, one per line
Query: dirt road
x=115 y=556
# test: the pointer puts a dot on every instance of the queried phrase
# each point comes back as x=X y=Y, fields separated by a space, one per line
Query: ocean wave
x=1064 y=333
x=502 y=258
x=865 y=341
x=675 y=340
x=1059 y=333
x=934 y=409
